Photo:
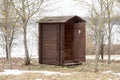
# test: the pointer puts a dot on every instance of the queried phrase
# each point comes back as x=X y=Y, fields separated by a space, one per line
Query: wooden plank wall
x=50 y=44
x=79 y=42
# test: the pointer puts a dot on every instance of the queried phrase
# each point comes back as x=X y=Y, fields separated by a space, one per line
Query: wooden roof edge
x=58 y=19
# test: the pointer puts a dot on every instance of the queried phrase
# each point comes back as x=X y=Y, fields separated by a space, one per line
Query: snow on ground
x=110 y=72
x=12 y=72
x=19 y=56
x=19 y=72
x=113 y=57
x=38 y=79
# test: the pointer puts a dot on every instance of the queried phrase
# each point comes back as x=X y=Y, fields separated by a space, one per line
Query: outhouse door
x=79 y=42
x=49 y=44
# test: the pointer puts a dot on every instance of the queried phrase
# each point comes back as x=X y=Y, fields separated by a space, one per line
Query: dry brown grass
x=79 y=72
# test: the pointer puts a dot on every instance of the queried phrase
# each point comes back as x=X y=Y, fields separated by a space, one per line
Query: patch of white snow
x=118 y=79
x=113 y=57
x=107 y=72
x=98 y=79
x=19 y=72
x=11 y=72
x=38 y=79
x=110 y=72
x=118 y=74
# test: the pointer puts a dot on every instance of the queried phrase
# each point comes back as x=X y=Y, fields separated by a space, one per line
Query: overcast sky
x=71 y=7
x=67 y=7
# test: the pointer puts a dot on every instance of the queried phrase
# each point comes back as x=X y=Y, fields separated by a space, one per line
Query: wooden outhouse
x=62 y=40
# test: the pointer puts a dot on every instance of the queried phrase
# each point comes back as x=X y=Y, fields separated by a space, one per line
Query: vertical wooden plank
x=59 y=41
x=58 y=44
x=40 y=43
x=61 y=44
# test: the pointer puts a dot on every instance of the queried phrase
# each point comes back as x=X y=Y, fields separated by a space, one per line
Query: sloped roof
x=58 y=19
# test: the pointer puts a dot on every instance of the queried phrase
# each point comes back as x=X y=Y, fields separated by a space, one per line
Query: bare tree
x=8 y=28
x=109 y=11
x=26 y=9
x=97 y=21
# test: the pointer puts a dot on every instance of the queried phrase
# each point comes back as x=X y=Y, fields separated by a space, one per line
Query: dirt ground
x=77 y=72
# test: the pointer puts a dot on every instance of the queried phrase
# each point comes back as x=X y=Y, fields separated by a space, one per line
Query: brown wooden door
x=79 y=42
x=50 y=44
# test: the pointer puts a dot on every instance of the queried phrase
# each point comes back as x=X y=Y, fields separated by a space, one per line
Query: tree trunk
x=6 y=53
x=97 y=57
x=97 y=50
x=109 y=9
x=102 y=52
x=27 y=59
x=102 y=47
x=9 y=57
x=109 y=38
x=109 y=46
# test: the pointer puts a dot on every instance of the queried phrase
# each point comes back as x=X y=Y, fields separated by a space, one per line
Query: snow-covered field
x=110 y=72
x=21 y=55
x=47 y=73
x=19 y=72
x=113 y=57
